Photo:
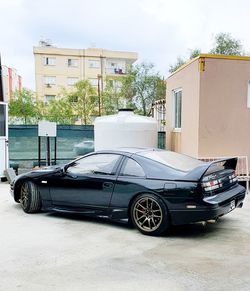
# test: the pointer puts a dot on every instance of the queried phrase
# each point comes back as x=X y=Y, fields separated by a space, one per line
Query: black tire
x=30 y=198
x=149 y=215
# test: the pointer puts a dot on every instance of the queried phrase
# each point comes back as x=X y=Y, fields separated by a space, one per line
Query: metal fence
x=23 y=143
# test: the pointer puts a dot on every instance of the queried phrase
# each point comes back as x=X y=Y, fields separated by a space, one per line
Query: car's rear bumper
x=211 y=207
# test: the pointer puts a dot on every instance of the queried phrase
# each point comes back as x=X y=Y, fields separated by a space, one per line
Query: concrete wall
x=224 y=124
x=188 y=79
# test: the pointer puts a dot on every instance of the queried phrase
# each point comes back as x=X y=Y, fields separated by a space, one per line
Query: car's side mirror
x=68 y=173
x=65 y=168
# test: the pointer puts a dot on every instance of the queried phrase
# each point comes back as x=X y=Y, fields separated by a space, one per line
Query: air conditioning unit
x=48 y=85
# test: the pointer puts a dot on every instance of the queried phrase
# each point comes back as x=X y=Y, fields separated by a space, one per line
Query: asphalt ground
x=49 y=251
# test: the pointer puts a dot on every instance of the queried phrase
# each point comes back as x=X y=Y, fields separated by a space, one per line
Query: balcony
x=115 y=71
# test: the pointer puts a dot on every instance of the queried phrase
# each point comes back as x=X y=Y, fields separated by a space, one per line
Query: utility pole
x=101 y=61
x=99 y=94
x=100 y=86
x=101 y=77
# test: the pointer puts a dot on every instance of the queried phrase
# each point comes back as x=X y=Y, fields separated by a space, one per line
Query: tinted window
x=172 y=159
x=103 y=164
x=132 y=168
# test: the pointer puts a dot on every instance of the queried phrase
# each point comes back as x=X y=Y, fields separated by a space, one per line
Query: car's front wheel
x=30 y=198
x=149 y=215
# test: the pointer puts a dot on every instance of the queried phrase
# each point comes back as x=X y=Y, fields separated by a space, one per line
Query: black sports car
x=152 y=188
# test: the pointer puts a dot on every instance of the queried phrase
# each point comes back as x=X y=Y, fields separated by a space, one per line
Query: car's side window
x=132 y=168
x=99 y=164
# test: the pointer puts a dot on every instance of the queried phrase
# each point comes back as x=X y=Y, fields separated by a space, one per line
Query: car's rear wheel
x=149 y=215
x=30 y=198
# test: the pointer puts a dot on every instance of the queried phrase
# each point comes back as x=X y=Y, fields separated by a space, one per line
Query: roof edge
x=184 y=66
x=227 y=57
x=210 y=56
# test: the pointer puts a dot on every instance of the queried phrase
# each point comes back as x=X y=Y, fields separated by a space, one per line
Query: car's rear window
x=172 y=159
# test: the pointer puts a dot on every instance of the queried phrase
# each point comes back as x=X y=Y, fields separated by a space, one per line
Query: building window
x=177 y=94
x=48 y=98
x=49 y=80
x=93 y=82
x=248 y=95
x=72 y=63
x=48 y=61
x=94 y=64
x=72 y=81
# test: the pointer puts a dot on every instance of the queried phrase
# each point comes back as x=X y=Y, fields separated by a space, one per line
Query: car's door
x=131 y=180
x=89 y=181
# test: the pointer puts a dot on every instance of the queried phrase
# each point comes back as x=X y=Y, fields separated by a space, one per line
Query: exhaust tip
x=240 y=205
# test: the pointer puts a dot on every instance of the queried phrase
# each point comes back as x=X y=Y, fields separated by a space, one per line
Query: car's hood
x=39 y=172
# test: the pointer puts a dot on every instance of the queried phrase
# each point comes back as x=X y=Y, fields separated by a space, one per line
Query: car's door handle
x=108 y=185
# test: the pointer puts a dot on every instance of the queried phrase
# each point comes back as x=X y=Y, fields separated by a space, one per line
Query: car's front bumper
x=12 y=189
x=211 y=207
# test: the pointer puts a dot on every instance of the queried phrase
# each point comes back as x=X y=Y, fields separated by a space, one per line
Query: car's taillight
x=212 y=185
x=210 y=182
x=233 y=178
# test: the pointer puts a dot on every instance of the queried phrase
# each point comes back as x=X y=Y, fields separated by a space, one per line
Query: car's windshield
x=172 y=159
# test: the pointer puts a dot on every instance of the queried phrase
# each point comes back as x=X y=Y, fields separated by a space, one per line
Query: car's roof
x=129 y=150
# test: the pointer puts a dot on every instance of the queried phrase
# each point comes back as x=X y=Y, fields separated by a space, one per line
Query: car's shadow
x=198 y=229
x=90 y=219
x=180 y=231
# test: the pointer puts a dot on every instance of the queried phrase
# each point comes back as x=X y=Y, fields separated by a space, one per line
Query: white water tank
x=125 y=129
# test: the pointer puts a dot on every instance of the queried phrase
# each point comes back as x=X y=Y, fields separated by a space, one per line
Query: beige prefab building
x=208 y=107
x=56 y=68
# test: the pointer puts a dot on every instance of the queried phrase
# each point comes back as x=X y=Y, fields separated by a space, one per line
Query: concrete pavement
x=64 y=252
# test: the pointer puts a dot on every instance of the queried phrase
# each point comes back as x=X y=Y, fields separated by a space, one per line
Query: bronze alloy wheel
x=30 y=197
x=147 y=214
x=24 y=197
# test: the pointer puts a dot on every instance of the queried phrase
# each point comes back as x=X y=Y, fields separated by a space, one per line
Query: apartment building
x=11 y=82
x=56 y=68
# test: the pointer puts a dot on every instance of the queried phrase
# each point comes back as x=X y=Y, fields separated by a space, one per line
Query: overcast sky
x=159 y=30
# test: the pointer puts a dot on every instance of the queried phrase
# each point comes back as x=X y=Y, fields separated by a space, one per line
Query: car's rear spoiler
x=199 y=172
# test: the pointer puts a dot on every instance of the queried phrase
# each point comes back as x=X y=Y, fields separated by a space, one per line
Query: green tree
x=225 y=44
x=23 y=106
x=84 y=101
x=60 y=111
x=112 y=99
x=180 y=61
x=194 y=53
x=141 y=87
